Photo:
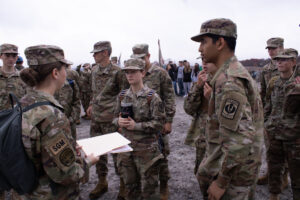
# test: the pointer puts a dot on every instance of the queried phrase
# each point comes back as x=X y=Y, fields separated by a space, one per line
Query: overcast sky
x=75 y=25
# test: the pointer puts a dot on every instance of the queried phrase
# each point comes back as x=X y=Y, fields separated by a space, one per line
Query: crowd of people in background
x=183 y=75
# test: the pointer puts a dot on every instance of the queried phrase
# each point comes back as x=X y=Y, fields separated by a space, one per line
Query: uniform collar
x=140 y=93
x=2 y=73
x=221 y=69
x=47 y=97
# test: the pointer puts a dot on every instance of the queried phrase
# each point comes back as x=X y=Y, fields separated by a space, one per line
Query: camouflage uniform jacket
x=84 y=84
x=107 y=83
x=269 y=70
x=10 y=84
x=282 y=109
x=48 y=143
x=196 y=105
x=159 y=80
x=68 y=97
x=73 y=75
x=235 y=127
x=147 y=115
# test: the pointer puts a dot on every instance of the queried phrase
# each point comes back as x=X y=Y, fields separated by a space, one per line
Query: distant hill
x=254 y=62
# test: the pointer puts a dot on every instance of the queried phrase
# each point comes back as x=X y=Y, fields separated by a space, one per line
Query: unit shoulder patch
x=230 y=108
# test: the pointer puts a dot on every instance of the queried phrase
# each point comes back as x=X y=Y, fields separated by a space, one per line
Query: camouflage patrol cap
x=287 y=53
x=100 y=46
x=45 y=54
x=219 y=26
x=114 y=58
x=8 y=48
x=140 y=50
x=135 y=64
x=275 y=42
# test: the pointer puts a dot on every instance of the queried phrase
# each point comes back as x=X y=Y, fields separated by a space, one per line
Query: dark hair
x=231 y=41
x=196 y=69
x=34 y=75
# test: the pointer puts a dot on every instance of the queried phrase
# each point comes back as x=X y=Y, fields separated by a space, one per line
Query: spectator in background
x=180 y=78
x=19 y=64
x=172 y=70
x=195 y=73
x=187 y=80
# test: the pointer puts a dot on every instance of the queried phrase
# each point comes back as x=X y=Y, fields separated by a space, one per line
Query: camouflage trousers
x=200 y=145
x=85 y=98
x=97 y=129
x=139 y=170
x=279 y=151
x=164 y=173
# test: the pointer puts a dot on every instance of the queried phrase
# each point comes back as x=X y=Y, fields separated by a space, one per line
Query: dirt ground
x=183 y=184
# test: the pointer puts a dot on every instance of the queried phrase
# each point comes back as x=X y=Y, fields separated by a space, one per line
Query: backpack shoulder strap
x=122 y=94
x=149 y=96
x=43 y=103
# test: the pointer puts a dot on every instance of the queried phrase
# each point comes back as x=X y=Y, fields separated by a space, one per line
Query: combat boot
x=164 y=190
x=274 y=196
x=100 y=188
x=122 y=193
x=263 y=180
x=285 y=180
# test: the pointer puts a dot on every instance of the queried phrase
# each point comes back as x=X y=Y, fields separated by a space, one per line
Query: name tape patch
x=58 y=145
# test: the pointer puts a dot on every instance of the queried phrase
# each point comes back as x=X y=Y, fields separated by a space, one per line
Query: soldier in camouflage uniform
x=114 y=60
x=159 y=80
x=282 y=114
x=139 y=168
x=102 y=113
x=85 y=88
x=196 y=105
x=46 y=131
x=10 y=81
x=274 y=46
x=74 y=79
x=235 y=123
x=68 y=97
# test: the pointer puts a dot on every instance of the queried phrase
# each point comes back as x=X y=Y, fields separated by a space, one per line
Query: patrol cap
x=114 y=58
x=45 y=54
x=100 y=46
x=275 y=42
x=219 y=26
x=287 y=53
x=135 y=64
x=8 y=48
x=140 y=50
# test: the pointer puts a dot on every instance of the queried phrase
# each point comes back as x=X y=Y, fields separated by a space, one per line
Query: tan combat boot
x=285 y=180
x=121 y=195
x=274 y=196
x=164 y=190
x=100 y=188
x=263 y=180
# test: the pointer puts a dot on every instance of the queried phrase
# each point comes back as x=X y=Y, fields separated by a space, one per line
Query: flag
x=160 y=58
x=119 y=60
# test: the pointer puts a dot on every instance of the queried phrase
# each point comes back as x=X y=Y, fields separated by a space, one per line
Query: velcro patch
x=58 y=145
x=67 y=157
x=230 y=108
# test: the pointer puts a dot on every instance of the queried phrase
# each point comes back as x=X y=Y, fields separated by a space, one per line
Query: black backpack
x=17 y=171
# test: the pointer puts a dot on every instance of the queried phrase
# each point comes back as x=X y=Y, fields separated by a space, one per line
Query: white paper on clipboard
x=103 y=144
